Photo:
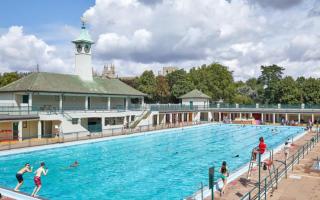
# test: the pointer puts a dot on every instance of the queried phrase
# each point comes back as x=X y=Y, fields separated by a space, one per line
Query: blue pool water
x=166 y=165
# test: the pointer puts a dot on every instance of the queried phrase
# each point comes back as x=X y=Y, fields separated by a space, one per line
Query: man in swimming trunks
x=19 y=175
x=260 y=149
x=37 y=178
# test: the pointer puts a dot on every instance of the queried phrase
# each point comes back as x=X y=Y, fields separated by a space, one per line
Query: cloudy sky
x=137 y=35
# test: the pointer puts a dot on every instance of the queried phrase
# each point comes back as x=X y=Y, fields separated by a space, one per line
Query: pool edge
x=241 y=171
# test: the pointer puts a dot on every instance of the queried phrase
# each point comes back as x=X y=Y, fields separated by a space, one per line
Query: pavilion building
x=46 y=104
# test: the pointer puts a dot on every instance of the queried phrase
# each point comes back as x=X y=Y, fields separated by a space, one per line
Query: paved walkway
x=238 y=188
x=302 y=182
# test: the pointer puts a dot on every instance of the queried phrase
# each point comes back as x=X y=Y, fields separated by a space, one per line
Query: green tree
x=162 y=89
x=242 y=99
x=175 y=76
x=310 y=89
x=245 y=91
x=146 y=83
x=257 y=89
x=269 y=78
x=9 y=77
x=288 y=91
x=214 y=80
x=181 y=87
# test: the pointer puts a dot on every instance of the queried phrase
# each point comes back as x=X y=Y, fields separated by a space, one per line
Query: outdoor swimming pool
x=167 y=165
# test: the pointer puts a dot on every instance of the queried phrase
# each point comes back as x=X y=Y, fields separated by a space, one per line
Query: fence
x=183 y=107
x=27 y=110
x=78 y=136
x=271 y=182
x=268 y=182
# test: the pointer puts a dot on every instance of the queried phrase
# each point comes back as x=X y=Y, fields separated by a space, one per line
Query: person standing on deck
x=20 y=173
x=224 y=174
x=286 y=149
x=259 y=149
x=37 y=178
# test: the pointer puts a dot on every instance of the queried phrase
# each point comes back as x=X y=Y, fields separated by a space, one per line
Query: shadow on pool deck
x=238 y=188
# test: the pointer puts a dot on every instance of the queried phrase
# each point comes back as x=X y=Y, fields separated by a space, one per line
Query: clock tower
x=83 y=43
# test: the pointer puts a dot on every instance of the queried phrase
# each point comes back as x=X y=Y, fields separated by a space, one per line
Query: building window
x=24 y=124
x=25 y=98
x=74 y=120
x=114 y=121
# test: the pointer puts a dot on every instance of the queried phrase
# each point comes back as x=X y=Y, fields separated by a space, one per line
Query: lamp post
x=259 y=163
x=211 y=181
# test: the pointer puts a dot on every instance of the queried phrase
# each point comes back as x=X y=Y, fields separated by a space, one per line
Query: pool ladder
x=252 y=161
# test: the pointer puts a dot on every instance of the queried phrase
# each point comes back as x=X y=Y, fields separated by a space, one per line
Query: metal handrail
x=84 y=135
x=281 y=171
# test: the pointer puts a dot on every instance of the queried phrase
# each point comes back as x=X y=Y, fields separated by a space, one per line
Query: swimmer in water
x=75 y=164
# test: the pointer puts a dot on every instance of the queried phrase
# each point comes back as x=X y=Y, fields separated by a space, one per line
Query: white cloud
x=23 y=52
x=188 y=32
x=140 y=34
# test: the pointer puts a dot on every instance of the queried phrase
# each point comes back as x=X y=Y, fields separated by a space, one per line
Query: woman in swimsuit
x=20 y=173
x=224 y=174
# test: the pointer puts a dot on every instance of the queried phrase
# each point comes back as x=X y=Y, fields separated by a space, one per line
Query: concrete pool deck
x=239 y=187
x=302 y=182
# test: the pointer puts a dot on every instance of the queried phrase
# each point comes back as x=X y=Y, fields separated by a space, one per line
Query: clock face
x=79 y=48
x=87 y=48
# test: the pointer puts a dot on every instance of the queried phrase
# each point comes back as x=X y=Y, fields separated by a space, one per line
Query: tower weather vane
x=83 y=21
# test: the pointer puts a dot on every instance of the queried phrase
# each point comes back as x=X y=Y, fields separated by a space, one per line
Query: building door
x=89 y=103
x=190 y=117
x=191 y=104
x=155 y=120
x=94 y=125
x=15 y=130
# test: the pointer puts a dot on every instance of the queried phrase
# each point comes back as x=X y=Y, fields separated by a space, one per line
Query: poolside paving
x=6 y=198
x=302 y=182
x=238 y=188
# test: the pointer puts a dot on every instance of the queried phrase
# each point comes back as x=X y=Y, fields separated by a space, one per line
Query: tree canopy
x=216 y=80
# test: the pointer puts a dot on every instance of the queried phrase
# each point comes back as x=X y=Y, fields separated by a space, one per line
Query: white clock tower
x=83 y=67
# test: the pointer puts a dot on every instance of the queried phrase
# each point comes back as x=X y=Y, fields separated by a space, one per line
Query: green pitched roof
x=84 y=36
x=64 y=83
x=195 y=94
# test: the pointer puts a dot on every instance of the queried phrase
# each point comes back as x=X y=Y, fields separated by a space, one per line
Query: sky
x=138 y=35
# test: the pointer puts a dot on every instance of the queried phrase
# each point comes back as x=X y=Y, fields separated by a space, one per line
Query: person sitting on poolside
x=259 y=149
x=37 y=178
x=75 y=164
x=20 y=173
x=224 y=174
